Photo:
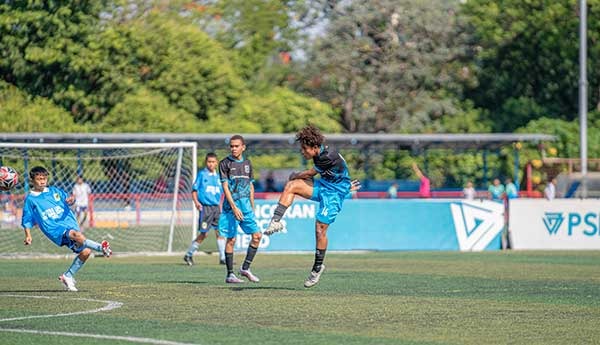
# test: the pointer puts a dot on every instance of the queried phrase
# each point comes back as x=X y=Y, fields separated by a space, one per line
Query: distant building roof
x=284 y=141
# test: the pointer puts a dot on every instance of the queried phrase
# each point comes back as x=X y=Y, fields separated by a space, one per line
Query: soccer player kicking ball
x=48 y=207
x=238 y=208
x=330 y=191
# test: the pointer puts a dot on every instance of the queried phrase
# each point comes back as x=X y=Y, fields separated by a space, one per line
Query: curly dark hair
x=310 y=136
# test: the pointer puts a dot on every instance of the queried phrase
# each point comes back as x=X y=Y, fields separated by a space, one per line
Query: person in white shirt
x=550 y=190
x=81 y=192
x=469 y=192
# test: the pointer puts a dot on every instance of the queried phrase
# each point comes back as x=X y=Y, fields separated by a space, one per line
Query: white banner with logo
x=556 y=224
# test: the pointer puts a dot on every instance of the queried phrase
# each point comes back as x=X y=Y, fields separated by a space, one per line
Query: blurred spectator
x=510 y=189
x=495 y=190
x=550 y=190
x=270 y=183
x=393 y=191
x=161 y=184
x=81 y=192
x=469 y=192
x=425 y=184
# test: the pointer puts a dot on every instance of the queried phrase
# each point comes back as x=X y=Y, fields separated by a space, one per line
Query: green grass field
x=376 y=298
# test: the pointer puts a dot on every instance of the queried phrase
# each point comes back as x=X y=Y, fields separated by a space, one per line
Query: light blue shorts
x=330 y=202
x=228 y=225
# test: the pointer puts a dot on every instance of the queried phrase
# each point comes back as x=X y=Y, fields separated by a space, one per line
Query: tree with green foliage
x=391 y=66
x=528 y=59
x=38 y=41
x=147 y=111
x=20 y=112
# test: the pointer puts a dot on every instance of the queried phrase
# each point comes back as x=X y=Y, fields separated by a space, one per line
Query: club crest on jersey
x=56 y=196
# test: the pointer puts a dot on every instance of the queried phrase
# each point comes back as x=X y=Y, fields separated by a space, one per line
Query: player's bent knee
x=85 y=254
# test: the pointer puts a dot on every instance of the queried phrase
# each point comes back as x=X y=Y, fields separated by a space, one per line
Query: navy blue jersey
x=239 y=177
x=333 y=170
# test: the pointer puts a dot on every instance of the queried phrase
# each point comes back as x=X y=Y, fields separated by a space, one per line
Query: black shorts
x=209 y=218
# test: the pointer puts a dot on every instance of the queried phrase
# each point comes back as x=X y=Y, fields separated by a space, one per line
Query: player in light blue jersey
x=48 y=208
x=330 y=191
x=206 y=194
x=237 y=178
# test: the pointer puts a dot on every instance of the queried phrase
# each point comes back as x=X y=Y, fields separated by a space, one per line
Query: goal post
x=140 y=196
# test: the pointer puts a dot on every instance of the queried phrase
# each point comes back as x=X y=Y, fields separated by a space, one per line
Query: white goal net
x=140 y=196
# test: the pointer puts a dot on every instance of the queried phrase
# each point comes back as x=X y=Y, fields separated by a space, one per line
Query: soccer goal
x=140 y=196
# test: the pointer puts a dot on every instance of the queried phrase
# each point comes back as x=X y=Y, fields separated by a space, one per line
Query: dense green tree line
x=266 y=66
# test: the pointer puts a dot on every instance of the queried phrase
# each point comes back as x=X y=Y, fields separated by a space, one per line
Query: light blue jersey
x=209 y=188
x=50 y=211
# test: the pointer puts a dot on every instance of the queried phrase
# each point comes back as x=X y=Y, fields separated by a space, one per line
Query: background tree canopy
x=267 y=66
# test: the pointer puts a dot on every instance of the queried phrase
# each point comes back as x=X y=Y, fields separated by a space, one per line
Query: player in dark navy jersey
x=237 y=178
x=330 y=191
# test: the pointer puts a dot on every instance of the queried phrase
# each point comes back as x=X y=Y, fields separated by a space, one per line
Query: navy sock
x=279 y=212
x=319 y=257
x=229 y=262
x=249 y=257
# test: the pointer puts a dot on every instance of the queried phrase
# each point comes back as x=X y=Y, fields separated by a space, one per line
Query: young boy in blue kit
x=48 y=208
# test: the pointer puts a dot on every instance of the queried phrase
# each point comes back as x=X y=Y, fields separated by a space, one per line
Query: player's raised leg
x=81 y=240
x=301 y=187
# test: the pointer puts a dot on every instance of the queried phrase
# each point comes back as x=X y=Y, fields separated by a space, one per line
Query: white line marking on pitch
x=110 y=305
x=97 y=336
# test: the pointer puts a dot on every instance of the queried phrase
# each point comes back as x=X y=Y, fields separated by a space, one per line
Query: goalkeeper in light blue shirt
x=48 y=208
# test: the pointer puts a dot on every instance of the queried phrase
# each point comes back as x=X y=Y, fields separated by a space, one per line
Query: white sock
x=221 y=246
x=193 y=247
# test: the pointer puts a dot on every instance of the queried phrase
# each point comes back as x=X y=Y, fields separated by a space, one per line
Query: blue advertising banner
x=387 y=224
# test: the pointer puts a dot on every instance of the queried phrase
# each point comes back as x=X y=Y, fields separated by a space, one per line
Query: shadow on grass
x=32 y=290
x=183 y=282
x=249 y=287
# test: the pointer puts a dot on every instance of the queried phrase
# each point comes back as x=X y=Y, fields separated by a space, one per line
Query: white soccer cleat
x=68 y=282
x=251 y=277
x=313 y=277
x=232 y=279
x=106 y=251
x=273 y=228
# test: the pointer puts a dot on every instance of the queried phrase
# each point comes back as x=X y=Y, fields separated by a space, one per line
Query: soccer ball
x=9 y=178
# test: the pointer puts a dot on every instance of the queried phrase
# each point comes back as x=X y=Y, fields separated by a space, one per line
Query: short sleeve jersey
x=333 y=170
x=50 y=211
x=208 y=186
x=239 y=177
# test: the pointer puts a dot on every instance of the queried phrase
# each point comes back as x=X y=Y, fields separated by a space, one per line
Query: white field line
x=96 y=336
x=110 y=305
